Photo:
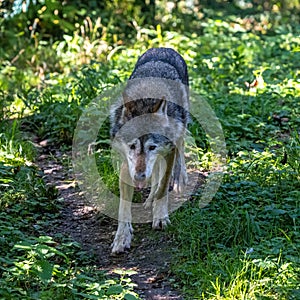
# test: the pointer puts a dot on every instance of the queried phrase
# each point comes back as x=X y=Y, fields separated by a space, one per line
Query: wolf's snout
x=140 y=176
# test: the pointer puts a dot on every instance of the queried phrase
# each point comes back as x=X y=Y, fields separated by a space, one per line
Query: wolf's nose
x=140 y=176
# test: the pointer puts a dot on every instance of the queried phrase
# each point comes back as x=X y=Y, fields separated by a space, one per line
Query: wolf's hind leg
x=179 y=178
x=124 y=233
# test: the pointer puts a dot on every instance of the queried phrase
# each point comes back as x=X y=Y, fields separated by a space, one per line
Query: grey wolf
x=148 y=125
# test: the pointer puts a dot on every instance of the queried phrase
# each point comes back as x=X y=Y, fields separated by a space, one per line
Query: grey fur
x=147 y=127
x=163 y=63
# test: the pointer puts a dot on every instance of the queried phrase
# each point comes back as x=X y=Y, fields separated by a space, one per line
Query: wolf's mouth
x=140 y=184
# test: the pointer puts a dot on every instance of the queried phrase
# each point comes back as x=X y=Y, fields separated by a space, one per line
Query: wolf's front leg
x=123 y=237
x=124 y=233
x=160 y=203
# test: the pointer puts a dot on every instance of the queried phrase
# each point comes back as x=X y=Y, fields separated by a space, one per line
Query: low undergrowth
x=245 y=244
x=32 y=264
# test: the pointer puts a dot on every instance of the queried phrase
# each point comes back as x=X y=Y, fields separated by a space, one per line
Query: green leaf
x=47 y=269
x=129 y=297
x=114 y=290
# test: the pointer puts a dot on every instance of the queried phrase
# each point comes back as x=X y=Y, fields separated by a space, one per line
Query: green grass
x=245 y=244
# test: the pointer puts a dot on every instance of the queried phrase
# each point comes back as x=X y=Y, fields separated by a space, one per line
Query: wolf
x=148 y=125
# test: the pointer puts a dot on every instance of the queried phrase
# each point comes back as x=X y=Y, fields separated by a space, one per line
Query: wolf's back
x=161 y=63
x=160 y=73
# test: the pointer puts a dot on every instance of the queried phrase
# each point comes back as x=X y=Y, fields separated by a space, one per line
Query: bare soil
x=149 y=255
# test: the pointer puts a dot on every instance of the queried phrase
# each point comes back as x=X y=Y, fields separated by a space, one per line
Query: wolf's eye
x=132 y=147
x=152 y=147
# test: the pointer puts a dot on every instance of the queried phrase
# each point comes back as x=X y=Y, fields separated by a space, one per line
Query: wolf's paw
x=160 y=213
x=160 y=223
x=123 y=238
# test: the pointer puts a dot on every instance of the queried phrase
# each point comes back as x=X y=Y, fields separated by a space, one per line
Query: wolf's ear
x=127 y=102
x=161 y=107
x=128 y=105
x=126 y=98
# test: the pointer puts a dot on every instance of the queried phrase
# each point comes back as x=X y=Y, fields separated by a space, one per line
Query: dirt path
x=149 y=255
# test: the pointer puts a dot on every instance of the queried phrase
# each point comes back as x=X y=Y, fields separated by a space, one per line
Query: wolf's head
x=143 y=155
x=143 y=137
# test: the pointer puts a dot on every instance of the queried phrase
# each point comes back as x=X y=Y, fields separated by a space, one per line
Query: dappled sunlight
x=234 y=233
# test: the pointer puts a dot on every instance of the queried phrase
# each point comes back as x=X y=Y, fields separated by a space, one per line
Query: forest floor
x=149 y=255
